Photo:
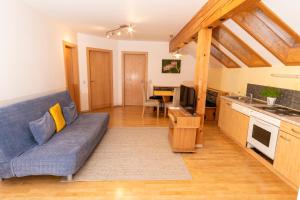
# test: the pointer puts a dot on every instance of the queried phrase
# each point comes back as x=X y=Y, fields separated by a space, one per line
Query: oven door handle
x=263 y=122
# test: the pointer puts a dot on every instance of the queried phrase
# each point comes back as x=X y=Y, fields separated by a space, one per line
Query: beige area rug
x=134 y=154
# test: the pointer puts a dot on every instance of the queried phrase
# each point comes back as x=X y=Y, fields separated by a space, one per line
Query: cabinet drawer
x=290 y=128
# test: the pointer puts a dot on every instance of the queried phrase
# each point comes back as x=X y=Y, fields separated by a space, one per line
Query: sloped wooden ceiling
x=210 y=15
x=268 y=29
x=222 y=57
x=238 y=48
x=219 y=55
x=256 y=19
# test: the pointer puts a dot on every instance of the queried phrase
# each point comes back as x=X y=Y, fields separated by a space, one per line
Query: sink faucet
x=251 y=97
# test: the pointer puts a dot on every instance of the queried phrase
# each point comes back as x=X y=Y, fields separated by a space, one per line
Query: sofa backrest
x=15 y=135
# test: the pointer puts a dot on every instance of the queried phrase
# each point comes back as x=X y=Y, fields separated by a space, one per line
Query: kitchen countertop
x=253 y=106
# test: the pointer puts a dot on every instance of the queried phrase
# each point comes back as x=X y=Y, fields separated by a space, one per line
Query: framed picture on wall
x=171 y=66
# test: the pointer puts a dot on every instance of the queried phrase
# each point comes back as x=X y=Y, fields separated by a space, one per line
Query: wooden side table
x=183 y=130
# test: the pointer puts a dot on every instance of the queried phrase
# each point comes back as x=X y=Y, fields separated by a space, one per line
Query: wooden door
x=135 y=68
x=72 y=73
x=100 y=78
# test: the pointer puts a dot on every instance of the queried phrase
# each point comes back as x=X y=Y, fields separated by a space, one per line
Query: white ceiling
x=154 y=19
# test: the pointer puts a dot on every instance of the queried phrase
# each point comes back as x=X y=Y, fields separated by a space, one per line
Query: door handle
x=285 y=138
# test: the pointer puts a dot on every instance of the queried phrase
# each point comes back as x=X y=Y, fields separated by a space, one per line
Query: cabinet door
x=287 y=160
x=239 y=130
x=225 y=117
x=221 y=121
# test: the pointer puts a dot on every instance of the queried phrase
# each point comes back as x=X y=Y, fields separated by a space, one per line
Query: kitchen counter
x=254 y=106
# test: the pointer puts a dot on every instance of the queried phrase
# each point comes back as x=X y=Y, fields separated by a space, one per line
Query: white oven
x=263 y=133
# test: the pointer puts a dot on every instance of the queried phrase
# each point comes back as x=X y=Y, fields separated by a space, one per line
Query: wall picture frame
x=172 y=66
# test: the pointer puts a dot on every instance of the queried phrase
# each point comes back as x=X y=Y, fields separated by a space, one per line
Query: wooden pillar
x=201 y=74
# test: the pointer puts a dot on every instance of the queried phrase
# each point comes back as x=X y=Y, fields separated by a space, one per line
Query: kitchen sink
x=246 y=100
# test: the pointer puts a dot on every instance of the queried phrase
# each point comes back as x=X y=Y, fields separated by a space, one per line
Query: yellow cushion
x=58 y=117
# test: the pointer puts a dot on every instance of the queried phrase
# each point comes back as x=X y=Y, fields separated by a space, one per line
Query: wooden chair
x=174 y=103
x=149 y=102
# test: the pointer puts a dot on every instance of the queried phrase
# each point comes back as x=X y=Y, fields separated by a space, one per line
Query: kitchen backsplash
x=288 y=98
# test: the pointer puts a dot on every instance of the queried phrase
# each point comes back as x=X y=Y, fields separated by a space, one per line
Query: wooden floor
x=220 y=170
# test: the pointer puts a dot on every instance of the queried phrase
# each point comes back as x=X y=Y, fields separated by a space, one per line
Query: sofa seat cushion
x=66 y=152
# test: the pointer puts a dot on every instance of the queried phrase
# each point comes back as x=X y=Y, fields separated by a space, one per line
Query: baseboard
x=199 y=145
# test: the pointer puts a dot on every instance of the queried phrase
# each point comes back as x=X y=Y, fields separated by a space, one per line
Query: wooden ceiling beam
x=270 y=31
x=218 y=54
x=213 y=13
x=238 y=48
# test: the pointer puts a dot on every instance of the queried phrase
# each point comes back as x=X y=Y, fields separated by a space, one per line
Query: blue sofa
x=62 y=155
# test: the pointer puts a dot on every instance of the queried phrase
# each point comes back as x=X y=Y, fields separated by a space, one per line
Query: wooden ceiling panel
x=282 y=33
x=238 y=48
x=276 y=20
x=222 y=57
x=268 y=38
x=269 y=30
x=213 y=13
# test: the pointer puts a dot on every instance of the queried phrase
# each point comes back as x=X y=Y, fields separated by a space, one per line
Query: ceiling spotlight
x=118 y=31
x=130 y=29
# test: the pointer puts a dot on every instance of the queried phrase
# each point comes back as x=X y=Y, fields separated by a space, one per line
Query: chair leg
x=143 y=112
x=157 y=111
x=69 y=177
x=165 y=112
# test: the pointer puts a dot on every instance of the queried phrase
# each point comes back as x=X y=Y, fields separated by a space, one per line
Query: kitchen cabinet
x=233 y=123
x=240 y=124
x=287 y=161
x=225 y=115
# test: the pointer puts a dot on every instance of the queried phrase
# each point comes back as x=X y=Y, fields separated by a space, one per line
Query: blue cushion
x=70 y=113
x=43 y=128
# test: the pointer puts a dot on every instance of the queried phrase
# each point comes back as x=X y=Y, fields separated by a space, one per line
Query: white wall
x=31 y=53
x=156 y=52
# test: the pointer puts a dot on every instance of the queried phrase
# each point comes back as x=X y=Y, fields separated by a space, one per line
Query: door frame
x=123 y=71
x=75 y=65
x=88 y=50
